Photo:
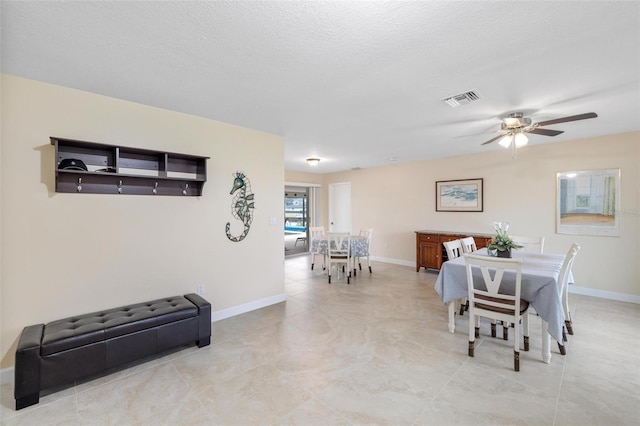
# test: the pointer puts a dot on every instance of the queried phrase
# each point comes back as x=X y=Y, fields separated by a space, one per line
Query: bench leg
x=26 y=389
x=204 y=342
x=27 y=401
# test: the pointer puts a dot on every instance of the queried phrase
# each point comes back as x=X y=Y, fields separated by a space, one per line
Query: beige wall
x=400 y=199
x=66 y=254
x=302 y=177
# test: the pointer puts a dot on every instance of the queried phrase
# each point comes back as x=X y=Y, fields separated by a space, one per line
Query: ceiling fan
x=515 y=126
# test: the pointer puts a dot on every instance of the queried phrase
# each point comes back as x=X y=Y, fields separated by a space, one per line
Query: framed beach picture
x=588 y=203
x=464 y=195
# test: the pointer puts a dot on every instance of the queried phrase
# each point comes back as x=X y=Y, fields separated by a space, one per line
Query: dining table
x=359 y=246
x=540 y=273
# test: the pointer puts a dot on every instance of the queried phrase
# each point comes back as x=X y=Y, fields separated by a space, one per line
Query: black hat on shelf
x=72 y=164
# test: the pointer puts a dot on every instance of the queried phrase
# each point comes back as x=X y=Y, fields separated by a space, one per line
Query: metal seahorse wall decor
x=242 y=205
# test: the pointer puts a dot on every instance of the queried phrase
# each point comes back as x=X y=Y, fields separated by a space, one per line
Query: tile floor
x=374 y=352
x=293 y=247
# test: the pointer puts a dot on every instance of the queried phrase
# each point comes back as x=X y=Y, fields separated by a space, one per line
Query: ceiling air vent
x=462 y=98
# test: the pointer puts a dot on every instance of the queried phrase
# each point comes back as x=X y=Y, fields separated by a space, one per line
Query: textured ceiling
x=358 y=84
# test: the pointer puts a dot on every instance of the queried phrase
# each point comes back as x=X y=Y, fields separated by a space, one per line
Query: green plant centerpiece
x=502 y=243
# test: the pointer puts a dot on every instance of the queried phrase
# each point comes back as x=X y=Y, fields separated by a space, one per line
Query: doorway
x=340 y=207
x=296 y=220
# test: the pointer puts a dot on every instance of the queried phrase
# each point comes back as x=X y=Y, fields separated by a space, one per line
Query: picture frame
x=588 y=202
x=462 y=195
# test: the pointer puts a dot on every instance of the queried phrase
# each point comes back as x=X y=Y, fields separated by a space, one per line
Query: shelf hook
x=79 y=184
x=186 y=189
x=155 y=189
x=120 y=188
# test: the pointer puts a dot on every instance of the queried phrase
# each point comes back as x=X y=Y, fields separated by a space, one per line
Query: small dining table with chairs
x=359 y=246
x=541 y=273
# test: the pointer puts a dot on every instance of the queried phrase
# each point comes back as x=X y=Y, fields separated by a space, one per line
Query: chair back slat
x=339 y=253
x=315 y=231
x=368 y=233
x=485 y=276
x=454 y=248
x=468 y=245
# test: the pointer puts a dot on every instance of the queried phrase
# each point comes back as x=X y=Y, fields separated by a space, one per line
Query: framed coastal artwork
x=463 y=195
x=588 y=203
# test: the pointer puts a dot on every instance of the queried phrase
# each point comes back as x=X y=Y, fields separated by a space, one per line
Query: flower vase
x=504 y=253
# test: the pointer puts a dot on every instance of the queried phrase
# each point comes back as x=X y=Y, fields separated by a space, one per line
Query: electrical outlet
x=200 y=289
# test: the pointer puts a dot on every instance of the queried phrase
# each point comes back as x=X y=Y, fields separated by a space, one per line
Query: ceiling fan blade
x=493 y=140
x=546 y=132
x=571 y=118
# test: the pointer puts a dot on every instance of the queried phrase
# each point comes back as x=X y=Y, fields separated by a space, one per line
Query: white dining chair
x=529 y=244
x=368 y=234
x=488 y=272
x=339 y=254
x=563 y=292
x=454 y=250
x=468 y=245
x=314 y=232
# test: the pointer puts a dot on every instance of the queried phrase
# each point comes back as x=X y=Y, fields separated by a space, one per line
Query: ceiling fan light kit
x=520 y=139
x=505 y=141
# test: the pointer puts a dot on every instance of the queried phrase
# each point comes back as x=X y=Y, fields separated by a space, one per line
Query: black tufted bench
x=57 y=353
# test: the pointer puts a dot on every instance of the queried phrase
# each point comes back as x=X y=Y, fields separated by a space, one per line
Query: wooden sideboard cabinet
x=430 y=252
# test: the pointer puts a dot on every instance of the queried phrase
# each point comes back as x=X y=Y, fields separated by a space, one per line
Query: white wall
x=398 y=200
x=67 y=254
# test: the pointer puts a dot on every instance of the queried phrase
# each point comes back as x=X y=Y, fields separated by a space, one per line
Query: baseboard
x=603 y=294
x=247 y=307
x=6 y=375
x=394 y=261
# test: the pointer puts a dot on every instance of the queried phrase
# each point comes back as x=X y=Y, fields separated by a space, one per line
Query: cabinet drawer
x=428 y=237
x=445 y=238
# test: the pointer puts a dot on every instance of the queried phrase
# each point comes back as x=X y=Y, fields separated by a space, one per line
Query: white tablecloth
x=540 y=273
x=358 y=246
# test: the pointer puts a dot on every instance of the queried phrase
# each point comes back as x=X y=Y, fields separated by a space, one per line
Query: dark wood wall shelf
x=113 y=169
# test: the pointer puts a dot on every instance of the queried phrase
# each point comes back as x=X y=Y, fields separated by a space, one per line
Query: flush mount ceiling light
x=313 y=161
